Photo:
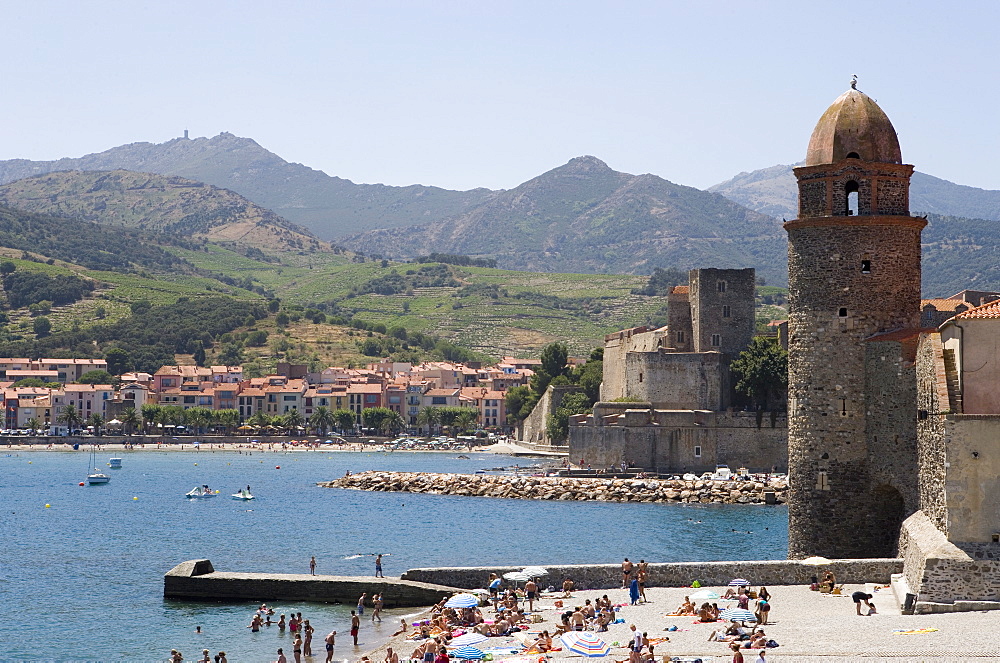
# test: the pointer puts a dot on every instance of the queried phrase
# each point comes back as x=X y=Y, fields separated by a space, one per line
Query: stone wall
x=933 y=406
x=972 y=477
x=679 y=440
x=677 y=380
x=196 y=579
x=533 y=428
x=940 y=572
x=681 y=574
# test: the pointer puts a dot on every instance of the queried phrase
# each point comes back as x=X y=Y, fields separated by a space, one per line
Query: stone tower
x=853 y=274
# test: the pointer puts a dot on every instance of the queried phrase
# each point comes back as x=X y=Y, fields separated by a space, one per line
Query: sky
x=491 y=92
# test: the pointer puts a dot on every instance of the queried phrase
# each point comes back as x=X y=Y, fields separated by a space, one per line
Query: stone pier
x=198 y=579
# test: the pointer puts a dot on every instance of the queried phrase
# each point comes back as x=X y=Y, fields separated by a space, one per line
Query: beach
x=809 y=627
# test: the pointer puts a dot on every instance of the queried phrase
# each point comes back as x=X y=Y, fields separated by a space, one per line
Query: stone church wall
x=932 y=408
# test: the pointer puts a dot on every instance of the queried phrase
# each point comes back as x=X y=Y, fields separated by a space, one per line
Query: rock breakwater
x=568 y=489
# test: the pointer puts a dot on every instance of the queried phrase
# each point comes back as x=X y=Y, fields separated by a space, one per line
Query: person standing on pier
x=355 y=624
x=312 y=565
x=378 y=566
x=361 y=604
x=626 y=572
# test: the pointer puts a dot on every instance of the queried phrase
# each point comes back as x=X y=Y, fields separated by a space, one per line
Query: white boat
x=115 y=463
x=244 y=494
x=200 y=492
x=96 y=477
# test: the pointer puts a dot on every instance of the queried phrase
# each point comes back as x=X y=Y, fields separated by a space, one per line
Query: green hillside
x=586 y=217
x=159 y=203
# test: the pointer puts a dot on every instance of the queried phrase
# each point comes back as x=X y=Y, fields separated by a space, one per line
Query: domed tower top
x=853 y=127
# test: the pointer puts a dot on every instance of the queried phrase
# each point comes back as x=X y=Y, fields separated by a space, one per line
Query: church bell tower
x=853 y=273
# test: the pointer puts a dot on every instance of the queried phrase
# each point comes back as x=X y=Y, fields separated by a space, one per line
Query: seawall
x=679 y=574
x=567 y=489
x=197 y=579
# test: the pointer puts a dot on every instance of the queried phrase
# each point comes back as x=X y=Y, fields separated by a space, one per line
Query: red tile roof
x=990 y=310
x=944 y=304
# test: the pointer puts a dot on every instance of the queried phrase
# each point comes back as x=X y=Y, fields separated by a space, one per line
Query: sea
x=81 y=567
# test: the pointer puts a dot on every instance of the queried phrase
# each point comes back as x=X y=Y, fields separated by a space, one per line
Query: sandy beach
x=809 y=626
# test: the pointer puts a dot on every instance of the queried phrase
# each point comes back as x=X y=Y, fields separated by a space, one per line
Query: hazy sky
x=490 y=93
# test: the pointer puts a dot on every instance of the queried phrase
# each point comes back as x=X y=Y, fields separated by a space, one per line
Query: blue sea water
x=83 y=579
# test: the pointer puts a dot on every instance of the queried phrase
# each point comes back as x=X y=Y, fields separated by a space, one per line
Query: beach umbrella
x=462 y=601
x=816 y=561
x=737 y=615
x=468 y=653
x=517 y=576
x=739 y=582
x=585 y=643
x=479 y=591
x=534 y=571
x=705 y=595
x=470 y=638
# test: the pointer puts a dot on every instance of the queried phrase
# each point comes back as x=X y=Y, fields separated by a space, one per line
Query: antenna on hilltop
x=186 y=134
x=854 y=81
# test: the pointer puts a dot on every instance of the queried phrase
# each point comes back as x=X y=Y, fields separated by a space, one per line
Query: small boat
x=96 y=477
x=200 y=492
x=115 y=463
x=244 y=495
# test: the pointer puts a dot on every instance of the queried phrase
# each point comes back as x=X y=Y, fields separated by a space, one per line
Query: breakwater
x=568 y=489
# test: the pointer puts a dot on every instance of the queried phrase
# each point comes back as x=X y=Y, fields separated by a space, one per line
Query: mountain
x=330 y=207
x=586 y=217
x=773 y=191
x=158 y=203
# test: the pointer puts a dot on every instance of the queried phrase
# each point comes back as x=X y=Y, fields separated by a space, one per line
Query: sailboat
x=243 y=494
x=200 y=492
x=97 y=476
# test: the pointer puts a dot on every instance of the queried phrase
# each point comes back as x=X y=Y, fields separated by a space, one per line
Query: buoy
x=196 y=464
x=81 y=483
x=135 y=498
x=277 y=467
x=48 y=506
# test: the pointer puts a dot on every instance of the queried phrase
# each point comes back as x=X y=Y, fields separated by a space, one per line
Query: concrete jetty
x=198 y=579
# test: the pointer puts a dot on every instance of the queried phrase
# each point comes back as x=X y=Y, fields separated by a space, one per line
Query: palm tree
x=464 y=420
x=322 y=419
x=96 y=420
x=429 y=416
x=33 y=424
x=130 y=419
x=345 y=419
x=70 y=416
x=150 y=415
x=227 y=417
x=198 y=418
x=292 y=420
x=260 y=419
x=394 y=423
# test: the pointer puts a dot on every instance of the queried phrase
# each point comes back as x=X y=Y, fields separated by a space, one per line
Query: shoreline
x=267 y=447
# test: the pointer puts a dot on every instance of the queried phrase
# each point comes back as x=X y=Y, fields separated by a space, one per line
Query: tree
x=33 y=423
x=130 y=419
x=228 y=417
x=97 y=377
x=520 y=401
x=29 y=382
x=259 y=418
x=554 y=357
x=345 y=419
x=467 y=419
x=292 y=420
x=322 y=419
x=198 y=418
x=42 y=326
x=70 y=416
x=761 y=370
x=140 y=307
x=374 y=417
x=394 y=423
x=7 y=267
x=96 y=420
x=429 y=416
x=150 y=416
x=589 y=376
x=118 y=361
x=231 y=355
x=557 y=424
x=282 y=319
x=273 y=305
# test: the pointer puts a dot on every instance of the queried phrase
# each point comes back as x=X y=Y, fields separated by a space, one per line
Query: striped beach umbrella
x=468 y=653
x=517 y=576
x=739 y=582
x=704 y=595
x=470 y=638
x=585 y=643
x=462 y=601
x=737 y=615
x=535 y=571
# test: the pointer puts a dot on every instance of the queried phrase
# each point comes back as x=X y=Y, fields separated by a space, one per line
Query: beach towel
x=915 y=631
x=633 y=591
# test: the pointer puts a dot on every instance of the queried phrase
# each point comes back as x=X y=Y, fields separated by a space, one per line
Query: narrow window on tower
x=822 y=481
x=866 y=266
x=697 y=452
x=851 y=189
x=726 y=311
x=680 y=337
x=721 y=286
x=842 y=312
x=716 y=340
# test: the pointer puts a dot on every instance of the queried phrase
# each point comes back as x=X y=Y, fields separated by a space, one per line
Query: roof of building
x=944 y=304
x=990 y=310
x=853 y=124
x=681 y=290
